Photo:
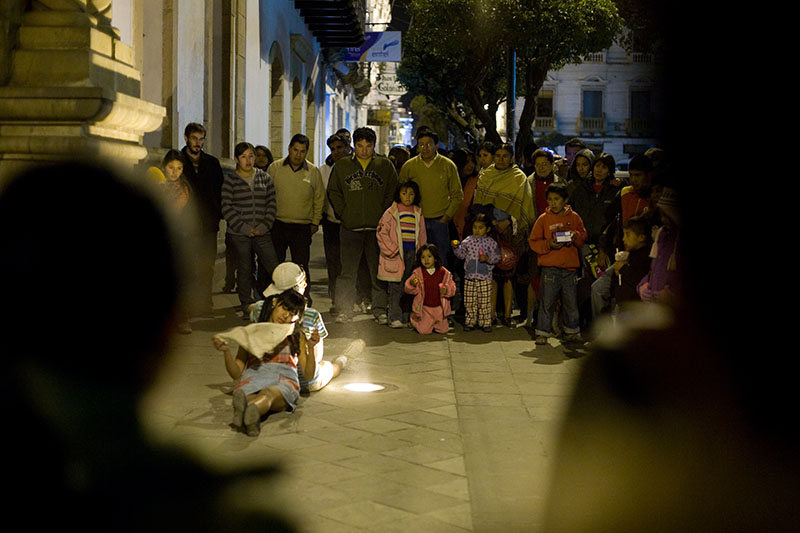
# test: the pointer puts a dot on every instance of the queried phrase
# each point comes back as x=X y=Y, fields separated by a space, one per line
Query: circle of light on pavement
x=363 y=387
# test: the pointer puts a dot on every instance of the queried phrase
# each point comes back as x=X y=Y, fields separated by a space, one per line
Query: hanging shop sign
x=380 y=46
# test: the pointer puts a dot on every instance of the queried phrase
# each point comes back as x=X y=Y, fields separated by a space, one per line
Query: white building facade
x=611 y=101
x=248 y=70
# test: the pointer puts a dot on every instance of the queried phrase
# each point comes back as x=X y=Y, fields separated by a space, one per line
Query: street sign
x=379 y=117
x=378 y=47
x=389 y=85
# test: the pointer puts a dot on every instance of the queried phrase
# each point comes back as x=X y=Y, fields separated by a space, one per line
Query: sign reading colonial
x=389 y=85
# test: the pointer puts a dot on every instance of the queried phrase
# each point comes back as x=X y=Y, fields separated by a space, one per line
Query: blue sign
x=378 y=47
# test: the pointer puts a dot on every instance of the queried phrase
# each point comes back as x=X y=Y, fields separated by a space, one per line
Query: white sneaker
x=382 y=319
x=343 y=318
x=354 y=348
x=396 y=324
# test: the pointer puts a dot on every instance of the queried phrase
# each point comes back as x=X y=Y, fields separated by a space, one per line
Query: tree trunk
x=489 y=120
x=534 y=78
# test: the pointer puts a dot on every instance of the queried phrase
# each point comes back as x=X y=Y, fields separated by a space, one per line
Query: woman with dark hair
x=263 y=157
x=505 y=187
x=267 y=380
x=468 y=174
x=248 y=205
x=485 y=155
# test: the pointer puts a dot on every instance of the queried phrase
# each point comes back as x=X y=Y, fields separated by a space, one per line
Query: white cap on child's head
x=285 y=276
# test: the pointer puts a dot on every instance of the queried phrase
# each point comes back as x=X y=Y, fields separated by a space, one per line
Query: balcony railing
x=594 y=125
x=640 y=127
x=544 y=124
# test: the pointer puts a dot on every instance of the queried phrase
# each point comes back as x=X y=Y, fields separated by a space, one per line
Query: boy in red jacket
x=557 y=237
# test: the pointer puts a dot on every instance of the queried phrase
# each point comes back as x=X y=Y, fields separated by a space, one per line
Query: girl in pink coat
x=400 y=233
x=432 y=286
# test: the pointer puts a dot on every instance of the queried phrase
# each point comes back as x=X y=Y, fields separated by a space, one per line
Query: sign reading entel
x=378 y=46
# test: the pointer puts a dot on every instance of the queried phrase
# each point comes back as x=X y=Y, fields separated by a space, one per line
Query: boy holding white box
x=557 y=237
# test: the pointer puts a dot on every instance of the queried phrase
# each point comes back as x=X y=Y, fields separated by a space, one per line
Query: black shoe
x=487 y=329
x=228 y=289
x=468 y=328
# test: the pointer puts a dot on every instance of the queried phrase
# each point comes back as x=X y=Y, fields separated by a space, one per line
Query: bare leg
x=494 y=300
x=531 y=303
x=508 y=298
x=269 y=399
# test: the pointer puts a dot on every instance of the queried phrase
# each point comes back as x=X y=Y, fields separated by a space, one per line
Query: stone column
x=72 y=90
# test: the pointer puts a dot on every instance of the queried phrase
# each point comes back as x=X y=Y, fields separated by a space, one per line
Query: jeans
x=333 y=261
x=555 y=281
x=295 y=237
x=439 y=234
x=397 y=292
x=354 y=245
x=601 y=292
x=244 y=248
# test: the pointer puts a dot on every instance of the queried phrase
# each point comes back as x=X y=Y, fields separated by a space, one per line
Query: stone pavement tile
x=419 y=476
x=426 y=524
x=425 y=435
x=365 y=514
x=315 y=523
x=421 y=454
x=459 y=516
x=489 y=399
x=479 y=372
x=546 y=407
x=337 y=434
x=448 y=426
x=379 y=425
x=314 y=470
x=311 y=495
x=446 y=398
x=420 y=417
x=526 y=365
x=373 y=462
x=457 y=488
x=417 y=501
x=481 y=387
x=449 y=411
x=496 y=365
x=454 y=465
x=330 y=452
x=377 y=443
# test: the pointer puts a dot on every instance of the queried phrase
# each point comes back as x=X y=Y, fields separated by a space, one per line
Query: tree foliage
x=455 y=51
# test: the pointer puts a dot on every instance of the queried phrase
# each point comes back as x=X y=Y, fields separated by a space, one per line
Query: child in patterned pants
x=480 y=253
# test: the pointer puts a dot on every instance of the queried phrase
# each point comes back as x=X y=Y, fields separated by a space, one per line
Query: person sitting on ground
x=267 y=380
x=289 y=275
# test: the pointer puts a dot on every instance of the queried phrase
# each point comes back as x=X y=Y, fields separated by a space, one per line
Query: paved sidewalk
x=460 y=439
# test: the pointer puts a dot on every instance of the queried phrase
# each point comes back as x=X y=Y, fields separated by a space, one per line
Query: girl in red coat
x=432 y=286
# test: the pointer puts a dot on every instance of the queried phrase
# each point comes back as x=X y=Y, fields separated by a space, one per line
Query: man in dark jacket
x=205 y=176
x=360 y=189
